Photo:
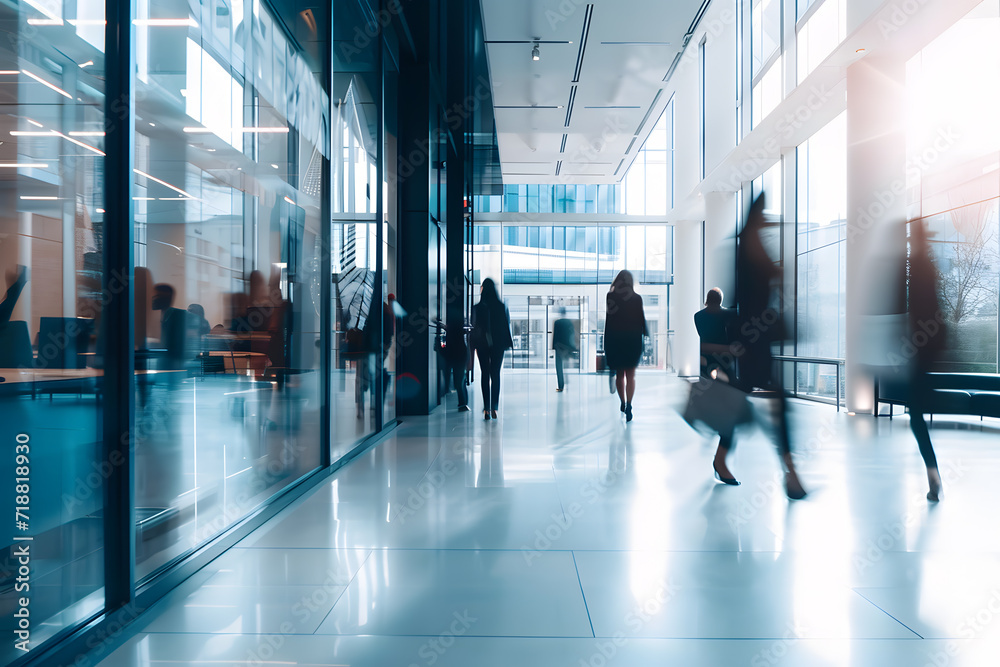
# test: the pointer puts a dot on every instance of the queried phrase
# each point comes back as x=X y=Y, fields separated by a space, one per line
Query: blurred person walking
x=564 y=343
x=624 y=327
x=491 y=339
x=924 y=311
x=760 y=325
x=716 y=328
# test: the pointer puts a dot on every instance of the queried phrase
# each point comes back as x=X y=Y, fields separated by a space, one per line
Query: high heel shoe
x=486 y=415
x=934 y=484
x=628 y=412
x=793 y=487
x=731 y=481
x=623 y=406
x=493 y=413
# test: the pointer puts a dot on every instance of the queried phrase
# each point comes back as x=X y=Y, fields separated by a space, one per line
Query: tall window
x=819 y=34
x=820 y=227
x=52 y=244
x=953 y=160
x=765 y=52
x=232 y=126
x=649 y=183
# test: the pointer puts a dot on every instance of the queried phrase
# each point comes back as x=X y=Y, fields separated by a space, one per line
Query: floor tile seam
x=866 y=599
x=584 y=638
x=583 y=595
x=335 y=602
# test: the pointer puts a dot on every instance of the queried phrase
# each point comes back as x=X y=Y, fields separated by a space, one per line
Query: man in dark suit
x=564 y=343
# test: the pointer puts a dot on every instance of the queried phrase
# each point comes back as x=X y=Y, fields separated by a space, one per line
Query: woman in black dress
x=490 y=338
x=624 y=327
x=760 y=325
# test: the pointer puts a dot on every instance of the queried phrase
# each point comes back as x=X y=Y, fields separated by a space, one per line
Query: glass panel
x=820 y=35
x=50 y=317
x=227 y=282
x=821 y=229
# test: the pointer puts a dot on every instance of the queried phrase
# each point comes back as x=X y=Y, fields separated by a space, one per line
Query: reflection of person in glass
x=624 y=327
x=716 y=326
x=491 y=339
x=173 y=326
x=564 y=343
x=760 y=325
x=924 y=308
x=17 y=280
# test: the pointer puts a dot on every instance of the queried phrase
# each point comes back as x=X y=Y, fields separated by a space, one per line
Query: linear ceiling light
x=241 y=130
x=156 y=180
x=53 y=133
x=167 y=23
x=23 y=165
x=46 y=83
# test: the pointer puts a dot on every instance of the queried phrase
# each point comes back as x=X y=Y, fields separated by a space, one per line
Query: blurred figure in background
x=624 y=327
x=760 y=325
x=455 y=354
x=716 y=328
x=491 y=339
x=564 y=343
x=924 y=315
x=17 y=279
x=174 y=327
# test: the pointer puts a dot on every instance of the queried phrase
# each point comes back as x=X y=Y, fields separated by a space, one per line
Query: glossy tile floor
x=562 y=536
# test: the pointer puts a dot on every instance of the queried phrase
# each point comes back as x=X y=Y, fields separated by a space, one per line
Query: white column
x=685 y=297
x=876 y=181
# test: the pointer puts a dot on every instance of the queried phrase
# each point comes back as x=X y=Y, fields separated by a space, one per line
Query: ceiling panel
x=628 y=50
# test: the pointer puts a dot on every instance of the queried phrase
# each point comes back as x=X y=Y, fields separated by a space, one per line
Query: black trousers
x=490 y=363
x=920 y=394
x=458 y=375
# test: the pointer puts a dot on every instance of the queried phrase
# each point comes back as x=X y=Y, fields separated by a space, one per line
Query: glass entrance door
x=532 y=319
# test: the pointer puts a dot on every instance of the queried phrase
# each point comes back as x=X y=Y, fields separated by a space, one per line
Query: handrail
x=810 y=360
x=823 y=361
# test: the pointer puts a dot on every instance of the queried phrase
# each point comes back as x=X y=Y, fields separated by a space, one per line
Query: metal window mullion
x=118 y=309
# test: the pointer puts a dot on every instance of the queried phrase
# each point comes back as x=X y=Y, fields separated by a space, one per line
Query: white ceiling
x=618 y=85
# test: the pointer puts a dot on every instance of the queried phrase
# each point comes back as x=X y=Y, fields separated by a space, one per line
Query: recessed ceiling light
x=274 y=166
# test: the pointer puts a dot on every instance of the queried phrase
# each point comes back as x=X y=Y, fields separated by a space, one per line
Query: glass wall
x=765 y=58
x=543 y=268
x=953 y=178
x=232 y=127
x=821 y=232
x=551 y=198
x=648 y=185
x=51 y=246
x=819 y=34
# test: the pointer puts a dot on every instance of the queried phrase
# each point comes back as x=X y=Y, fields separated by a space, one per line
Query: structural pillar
x=876 y=198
